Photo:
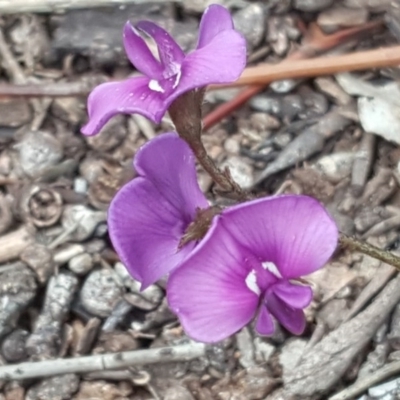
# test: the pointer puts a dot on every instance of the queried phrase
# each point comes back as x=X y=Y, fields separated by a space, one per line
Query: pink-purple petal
x=215 y=19
x=293 y=232
x=291 y=318
x=169 y=163
x=208 y=291
x=220 y=61
x=264 y=323
x=145 y=230
x=297 y=296
x=139 y=53
x=126 y=97
x=171 y=55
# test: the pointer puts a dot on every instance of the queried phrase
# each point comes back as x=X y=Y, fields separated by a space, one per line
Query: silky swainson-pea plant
x=219 y=57
x=225 y=267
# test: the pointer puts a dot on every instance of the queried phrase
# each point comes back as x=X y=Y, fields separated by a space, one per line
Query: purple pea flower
x=149 y=216
x=220 y=57
x=245 y=266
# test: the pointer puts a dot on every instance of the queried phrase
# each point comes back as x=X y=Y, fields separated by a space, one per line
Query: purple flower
x=245 y=266
x=149 y=216
x=220 y=57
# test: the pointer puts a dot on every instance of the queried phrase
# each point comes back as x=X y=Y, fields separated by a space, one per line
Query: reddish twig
x=314 y=43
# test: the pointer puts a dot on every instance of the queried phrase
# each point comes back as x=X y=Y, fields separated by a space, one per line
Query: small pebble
x=241 y=172
x=312 y=5
x=232 y=146
x=263 y=350
x=264 y=122
x=372 y=5
x=284 y=86
x=335 y=167
x=38 y=151
x=341 y=17
x=377 y=392
x=81 y=264
x=100 y=292
x=277 y=36
x=267 y=104
x=250 y=22
x=292 y=105
x=244 y=342
x=80 y=185
x=329 y=87
x=13 y=347
x=177 y=393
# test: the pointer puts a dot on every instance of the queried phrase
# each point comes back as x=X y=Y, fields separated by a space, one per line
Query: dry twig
x=48 y=6
x=266 y=73
x=315 y=42
x=101 y=362
x=363 y=384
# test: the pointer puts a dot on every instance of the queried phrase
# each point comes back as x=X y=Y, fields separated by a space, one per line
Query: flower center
x=261 y=276
x=169 y=81
x=199 y=226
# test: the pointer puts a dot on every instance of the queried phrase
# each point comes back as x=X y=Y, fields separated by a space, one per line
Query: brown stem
x=353 y=244
x=222 y=178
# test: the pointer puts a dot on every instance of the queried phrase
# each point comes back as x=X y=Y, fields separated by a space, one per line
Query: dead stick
x=47 y=6
x=365 y=383
x=101 y=362
x=266 y=73
x=52 y=89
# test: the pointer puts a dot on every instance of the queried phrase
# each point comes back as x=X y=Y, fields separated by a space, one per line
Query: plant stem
x=222 y=178
x=353 y=244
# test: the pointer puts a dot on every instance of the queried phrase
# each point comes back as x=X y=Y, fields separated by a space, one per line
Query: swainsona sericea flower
x=245 y=268
x=149 y=216
x=219 y=57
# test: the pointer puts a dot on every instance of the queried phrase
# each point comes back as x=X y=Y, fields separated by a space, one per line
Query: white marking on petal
x=135 y=31
x=155 y=86
x=271 y=267
x=177 y=79
x=251 y=282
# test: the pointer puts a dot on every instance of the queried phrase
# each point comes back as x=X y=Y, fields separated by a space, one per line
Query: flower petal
x=139 y=53
x=297 y=296
x=292 y=319
x=125 y=97
x=145 y=231
x=265 y=324
x=215 y=19
x=208 y=291
x=169 y=163
x=293 y=232
x=221 y=61
x=171 y=55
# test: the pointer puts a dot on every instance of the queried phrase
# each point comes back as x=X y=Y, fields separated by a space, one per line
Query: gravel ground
x=63 y=291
